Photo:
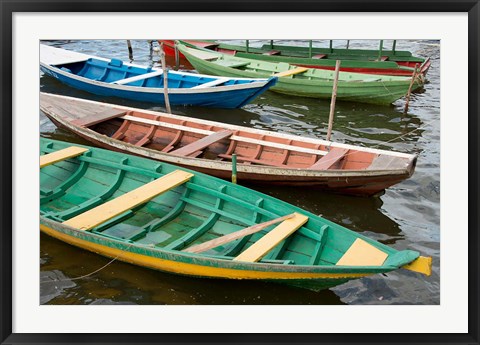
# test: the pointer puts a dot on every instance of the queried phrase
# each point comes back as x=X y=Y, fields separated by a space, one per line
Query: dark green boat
x=172 y=219
x=382 y=61
x=303 y=81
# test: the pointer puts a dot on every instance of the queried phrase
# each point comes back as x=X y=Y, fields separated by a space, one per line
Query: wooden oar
x=200 y=248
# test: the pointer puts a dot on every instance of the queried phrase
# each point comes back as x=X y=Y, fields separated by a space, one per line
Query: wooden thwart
x=202 y=143
x=127 y=201
x=138 y=77
x=211 y=83
x=329 y=159
x=203 y=247
x=362 y=253
x=93 y=119
x=260 y=248
x=291 y=72
x=61 y=155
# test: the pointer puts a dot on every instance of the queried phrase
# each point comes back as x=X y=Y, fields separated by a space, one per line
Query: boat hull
x=359 y=183
x=363 y=61
x=373 y=92
x=189 y=266
x=223 y=98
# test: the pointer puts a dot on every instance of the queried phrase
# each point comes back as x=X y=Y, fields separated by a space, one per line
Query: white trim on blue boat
x=155 y=73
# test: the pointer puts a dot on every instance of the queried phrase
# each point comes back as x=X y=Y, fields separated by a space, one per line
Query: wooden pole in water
x=177 y=57
x=414 y=76
x=334 y=99
x=380 y=50
x=130 y=50
x=165 y=79
x=234 y=168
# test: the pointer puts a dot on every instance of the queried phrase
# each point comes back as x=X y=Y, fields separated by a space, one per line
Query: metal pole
x=393 y=46
x=348 y=44
x=234 y=168
x=246 y=44
x=414 y=76
x=271 y=44
x=165 y=79
x=334 y=98
x=380 y=50
x=310 y=49
x=331 y=46
x=130 y=50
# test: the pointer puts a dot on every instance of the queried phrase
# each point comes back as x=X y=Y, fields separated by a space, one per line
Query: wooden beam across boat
x=127 y=201
x=61 y=155
x=202 y=143
x=138 y=77
x=260 y=248
x=203 y=247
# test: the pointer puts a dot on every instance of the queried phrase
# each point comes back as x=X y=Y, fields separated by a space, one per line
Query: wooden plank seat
x=260 y=248
x=215 y=82
x=290 y=72
x=327 y=161
x=231 y=63
x=272 y=52
x=138 y=77
x=362 y=253
x=252 y=160
x=319 y=56
x=93 y=119
x=102 y=213
x=61 y=155
x=222 y=240
x=200 y=144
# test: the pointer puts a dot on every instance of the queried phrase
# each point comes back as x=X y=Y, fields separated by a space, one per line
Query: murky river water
x=406 y=216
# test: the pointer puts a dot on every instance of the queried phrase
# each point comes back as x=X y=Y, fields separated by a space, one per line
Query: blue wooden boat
x=113 y=77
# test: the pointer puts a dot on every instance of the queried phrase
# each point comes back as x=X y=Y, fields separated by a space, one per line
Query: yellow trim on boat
x=422 y=265
x=187 y=268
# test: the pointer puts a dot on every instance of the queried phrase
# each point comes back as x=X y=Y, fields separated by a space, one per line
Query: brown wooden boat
x=207 y=146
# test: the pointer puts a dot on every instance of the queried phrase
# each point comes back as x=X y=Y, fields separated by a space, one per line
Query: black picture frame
x=8 y=7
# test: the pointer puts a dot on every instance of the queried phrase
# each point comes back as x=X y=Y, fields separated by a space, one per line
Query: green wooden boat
x=303 y=81
x=386 y=62
x=172 y=219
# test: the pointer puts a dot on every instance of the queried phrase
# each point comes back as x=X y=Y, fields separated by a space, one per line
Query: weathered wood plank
x=212 y=83
x=329 y=159
x=385 y=162
x=200 y=144
x=127 y=201
x=107 y=114
x=260 y=248
x=61 y=155
x=203 y=247
x=362 y=253
x=138 y=77
x=290 y=72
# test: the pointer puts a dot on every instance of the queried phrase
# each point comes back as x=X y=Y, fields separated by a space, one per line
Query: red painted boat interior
x=221 y=147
